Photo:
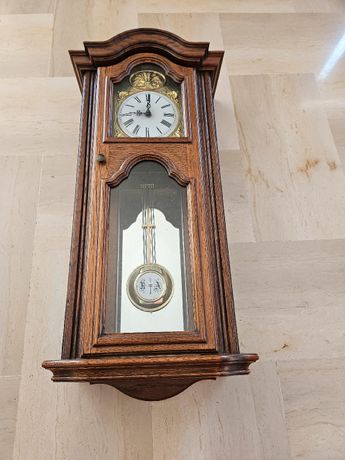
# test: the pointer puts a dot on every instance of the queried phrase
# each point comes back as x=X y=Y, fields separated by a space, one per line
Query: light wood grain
x=27 y=6
x=314 y=398
x=39 y=116
x=298 y=300
x=9 y=386
x=82 y=20
x=207 y=420
x=269 y=410
x=291 y=164
x=25 y=43
x=54 y=212
x=240 y=6
x=319 y=6
x=224 y=408
x=279 y=43
x=111 y=425
x=217 y=6
x=338 y=131
x=332 y=90
x=236 y=193
x=18 y=201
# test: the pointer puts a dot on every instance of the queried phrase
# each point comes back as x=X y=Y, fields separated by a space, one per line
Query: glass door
x=148 y=272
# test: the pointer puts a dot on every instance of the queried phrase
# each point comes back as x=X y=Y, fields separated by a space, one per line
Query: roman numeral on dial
x=136 y=129
x=166 y=123
x=147 y=132
x=137 y=99
x=128 y=122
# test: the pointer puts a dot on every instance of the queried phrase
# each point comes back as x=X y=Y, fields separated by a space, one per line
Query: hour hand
x=138 y=112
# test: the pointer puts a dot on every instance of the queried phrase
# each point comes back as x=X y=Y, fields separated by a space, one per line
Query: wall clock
x=149 y=304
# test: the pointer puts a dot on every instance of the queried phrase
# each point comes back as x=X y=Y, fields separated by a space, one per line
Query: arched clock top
x=146 y=40
x=167 y=67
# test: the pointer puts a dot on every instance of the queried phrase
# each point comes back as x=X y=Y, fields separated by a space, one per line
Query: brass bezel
x=176 y=109
x=138 y=301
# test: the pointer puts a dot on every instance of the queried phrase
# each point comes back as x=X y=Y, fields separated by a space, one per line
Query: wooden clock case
x=149 y=366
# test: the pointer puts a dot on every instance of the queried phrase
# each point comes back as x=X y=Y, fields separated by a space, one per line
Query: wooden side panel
x=75 y=279
x=226 y=310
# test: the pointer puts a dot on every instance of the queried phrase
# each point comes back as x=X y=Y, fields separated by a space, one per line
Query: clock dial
x=148 y=114
x=150 y=286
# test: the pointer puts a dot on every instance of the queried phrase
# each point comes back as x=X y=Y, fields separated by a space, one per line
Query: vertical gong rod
x=148 y=224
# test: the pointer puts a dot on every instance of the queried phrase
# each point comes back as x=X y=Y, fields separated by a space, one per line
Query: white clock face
x=148 y=114
x=150 y=286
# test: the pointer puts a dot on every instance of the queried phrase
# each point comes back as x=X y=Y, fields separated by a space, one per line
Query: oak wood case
x=155 y=365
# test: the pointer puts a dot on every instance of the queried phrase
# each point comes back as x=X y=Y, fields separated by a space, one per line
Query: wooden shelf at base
x=150 y=378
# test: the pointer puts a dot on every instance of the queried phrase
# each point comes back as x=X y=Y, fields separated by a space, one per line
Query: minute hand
x=148 y=105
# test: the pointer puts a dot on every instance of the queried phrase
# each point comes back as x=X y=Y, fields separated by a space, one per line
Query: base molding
x=150 y=378
x=151 y=390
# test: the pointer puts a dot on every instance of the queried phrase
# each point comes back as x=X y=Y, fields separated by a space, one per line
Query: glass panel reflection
x=148 y=277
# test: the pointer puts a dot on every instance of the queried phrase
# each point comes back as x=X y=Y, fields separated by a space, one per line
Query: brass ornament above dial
x=149 y=79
